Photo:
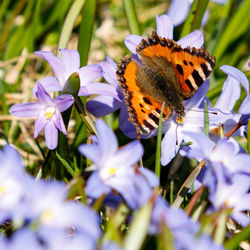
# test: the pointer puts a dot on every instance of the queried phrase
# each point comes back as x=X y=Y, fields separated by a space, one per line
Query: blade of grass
x=69 y=23
x=65 y=164
x=234 y=242
x=206 y=119
x=86 y=29
x=158 y=145
x=139 y=228
x=237 y=25
x=130 y=12
x=195 y=16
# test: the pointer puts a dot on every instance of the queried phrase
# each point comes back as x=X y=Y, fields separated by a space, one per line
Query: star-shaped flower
x=48 y=113
x=64 y=68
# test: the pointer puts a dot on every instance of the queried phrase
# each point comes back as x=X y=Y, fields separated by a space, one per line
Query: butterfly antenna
x=204 y=111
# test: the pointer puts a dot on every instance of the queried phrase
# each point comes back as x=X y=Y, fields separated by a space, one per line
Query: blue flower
x=173 y=130
x=114 y=168
x=178 y=15
x=14 y=185
x=48 y=113
x=63 y=68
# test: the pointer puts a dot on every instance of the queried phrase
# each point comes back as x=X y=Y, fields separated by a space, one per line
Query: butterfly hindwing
x=192 y=67
x=144 y=110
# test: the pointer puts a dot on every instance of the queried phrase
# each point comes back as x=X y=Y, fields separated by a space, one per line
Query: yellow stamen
x=180 y=119
x=49 y=112
x=112 y=171
x=2 y=189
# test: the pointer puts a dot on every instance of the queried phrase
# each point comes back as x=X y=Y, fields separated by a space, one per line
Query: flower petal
x=59 y=123
x=89 y=73
x=98 y=88
x=71 y=60
x=50 y=84
x=51 y=135
x=229 y=95
x=129 y=154
x=164 y=26
x=40 y=124
x=193 y=39
x=92 y=152
x=102 y=105
x=25 y=109
x=168 y=144
x=237 y=74
x=43 y=97
x=55 y=63
x=176 y=14
x=109 y=71
x=132 y=41
x=63 y=102
x=107 y=138
x=245 y=106
x=95 y=186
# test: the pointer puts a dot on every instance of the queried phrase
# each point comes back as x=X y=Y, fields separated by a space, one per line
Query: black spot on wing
x=148 y=125
x=205 y=69
x=147 y=101
x=197 y=78
x=189 y=84
x=154 y=118
x=180 y=69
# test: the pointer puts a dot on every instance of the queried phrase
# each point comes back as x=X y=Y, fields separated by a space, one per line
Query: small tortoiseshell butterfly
x=165 y=72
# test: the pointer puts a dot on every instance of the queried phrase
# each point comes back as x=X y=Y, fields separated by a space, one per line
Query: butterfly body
x=164 y=73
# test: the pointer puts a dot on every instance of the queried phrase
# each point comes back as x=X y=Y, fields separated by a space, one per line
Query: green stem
x=133 y=24
x=69 y=23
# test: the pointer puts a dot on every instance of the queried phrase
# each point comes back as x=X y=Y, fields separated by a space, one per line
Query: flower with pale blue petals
x=64 y=67
x=115 y=168
x=14 y=185
x=172 y=140
x=48 y=113
x=233 y=195
x=178 y=15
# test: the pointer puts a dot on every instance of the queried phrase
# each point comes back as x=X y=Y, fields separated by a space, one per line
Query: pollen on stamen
x=180 y=119
x=49 y=112
x=112 y=171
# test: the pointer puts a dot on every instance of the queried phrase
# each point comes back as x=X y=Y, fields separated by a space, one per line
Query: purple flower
x=194 y=118
x=233 y=195
x=224 y=155
x=48 y=113
x=114 y=99
x=178 y=15
x=114 y=168
x=14 y=184
x=64 y=68
x=54 y=211
x=164 y=28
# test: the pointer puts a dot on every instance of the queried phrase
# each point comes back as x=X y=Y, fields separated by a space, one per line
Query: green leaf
x=187 y=184
x=130 y=12
x=65 y=164
x=234 y=242
x=69 y=23
x=86 y=29
x=139 y=228
x=206 y=119
x=158 y=146
x=195 y=16
x=237 y=25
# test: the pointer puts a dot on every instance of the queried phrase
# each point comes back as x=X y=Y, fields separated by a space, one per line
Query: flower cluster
x=41 y=212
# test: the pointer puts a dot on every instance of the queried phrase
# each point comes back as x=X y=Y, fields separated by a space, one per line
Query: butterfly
x=165 y=72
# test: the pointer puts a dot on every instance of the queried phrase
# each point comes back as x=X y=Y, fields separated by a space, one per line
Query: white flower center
x=49 y=112
x=108 y=172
